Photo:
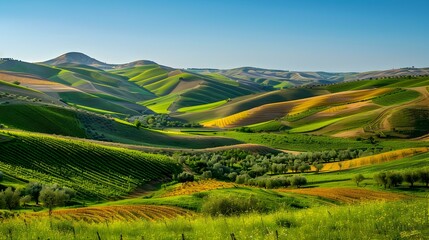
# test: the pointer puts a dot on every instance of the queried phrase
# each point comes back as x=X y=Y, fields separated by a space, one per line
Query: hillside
x=95 y=171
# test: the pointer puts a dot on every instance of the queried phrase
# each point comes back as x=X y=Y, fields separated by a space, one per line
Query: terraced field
x=348 y=195
x=115 y=213
x=279 y=110
x=375 y=159
x=195 y=187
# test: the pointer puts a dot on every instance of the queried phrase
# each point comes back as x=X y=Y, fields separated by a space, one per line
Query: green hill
x=46 y=119
x=96 y=172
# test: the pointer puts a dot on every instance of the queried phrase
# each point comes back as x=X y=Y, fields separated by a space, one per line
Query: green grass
x=315 y=126
x=95 y=171
x=96 y=110
x=376 y=220
x=343 y=178
x=297 y=142
x=45 y=119
x=29 y=68
x=222 y=78
x=268 y=126
x=94 y=102
x=160 y=104
x=412 y=121
x=202 y=107
x=396 y=97
x=272 y=200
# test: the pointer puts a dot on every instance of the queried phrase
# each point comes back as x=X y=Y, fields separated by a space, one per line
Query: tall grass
x=376 y=220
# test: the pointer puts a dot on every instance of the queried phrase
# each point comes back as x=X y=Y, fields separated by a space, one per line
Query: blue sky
x=328 y=35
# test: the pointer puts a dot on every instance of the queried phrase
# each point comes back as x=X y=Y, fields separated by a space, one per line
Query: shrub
x=424 y=176
x=297 y=181
x=381 y=179
x=185 y=177
x=394 y=179
x=33 y=189
x=411 y=177
x=358 y=178
x=232 y=205
x=9 y=199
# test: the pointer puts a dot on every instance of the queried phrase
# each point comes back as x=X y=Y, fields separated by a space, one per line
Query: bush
x=9 y=199
x=232 y=205
x=297 y=181
x=358 y=178
x=411 y=177
x=185 y=177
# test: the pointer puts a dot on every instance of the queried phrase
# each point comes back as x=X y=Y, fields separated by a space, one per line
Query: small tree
x=53 y=196
x=318 y=167
x=10 y=198
x=394 y=179
x=137 y=123
x=297 y=181
x=411 y=177
x=358 y=178
x=25 y=200
x=185 y=177
x=33 y=189
x=424 y=176
x=381 y=179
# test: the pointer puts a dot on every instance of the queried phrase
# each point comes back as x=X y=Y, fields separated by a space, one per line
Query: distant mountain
x=277 y=78
x=284 y=79
x=78 y=58
x=409 y=71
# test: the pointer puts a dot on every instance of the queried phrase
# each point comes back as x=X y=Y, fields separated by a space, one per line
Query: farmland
x=146 y=151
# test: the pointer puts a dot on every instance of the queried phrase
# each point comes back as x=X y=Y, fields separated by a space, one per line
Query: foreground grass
x=374 y=220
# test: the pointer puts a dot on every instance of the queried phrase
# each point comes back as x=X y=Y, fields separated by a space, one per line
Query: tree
x=358 y=178
x=185 y=177
x=297 y=181
x=25 y=200
x=411 y=177
x=53 y=196
x=424 y=176
x=137 y=123
x=381 y=179
x=318 y=167
x=9 y=198
x=33 y=189
x=394 y=179
x=304 y=167
x=47 y=196
x=1 y=176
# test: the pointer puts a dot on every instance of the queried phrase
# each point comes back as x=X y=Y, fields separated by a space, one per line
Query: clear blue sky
x=341 y=35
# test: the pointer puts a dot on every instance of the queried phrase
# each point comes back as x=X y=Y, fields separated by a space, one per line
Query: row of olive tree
x=394 y=179
x=50 y=195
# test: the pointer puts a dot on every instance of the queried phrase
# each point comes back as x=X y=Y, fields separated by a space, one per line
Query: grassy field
x=46 y=119
x=203 y=107
x=383 y=220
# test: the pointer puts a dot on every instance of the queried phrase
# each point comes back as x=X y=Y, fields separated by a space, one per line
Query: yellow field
x=124 y=213
x=378 y=158
x=348 y=195
x=279 y=110
x=194 y=187
x=226 y=121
